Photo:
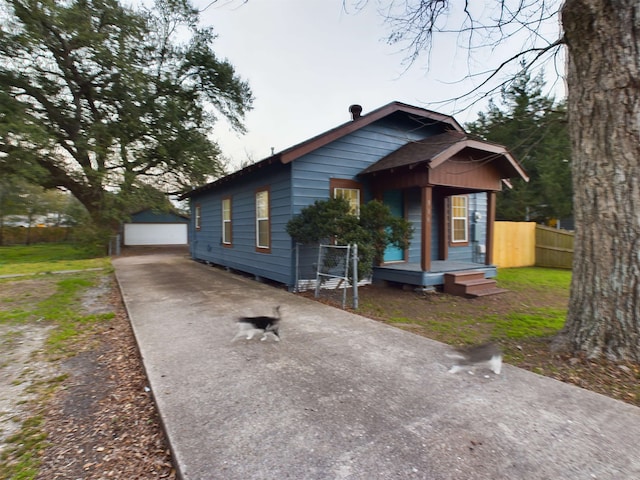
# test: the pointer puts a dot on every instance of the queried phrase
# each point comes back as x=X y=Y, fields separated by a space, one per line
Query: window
x=459 y=219
x=198 y=216
x=352 y=196
x=226 y=221
x=349 y=190
x=263 y=240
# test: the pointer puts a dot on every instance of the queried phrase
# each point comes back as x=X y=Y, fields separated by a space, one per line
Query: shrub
x=330 y=221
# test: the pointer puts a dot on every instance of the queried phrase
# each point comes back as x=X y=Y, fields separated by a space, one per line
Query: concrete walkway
x=345 y=397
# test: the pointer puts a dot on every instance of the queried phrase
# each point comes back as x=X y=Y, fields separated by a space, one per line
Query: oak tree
x=105 y=100
x=601 y=43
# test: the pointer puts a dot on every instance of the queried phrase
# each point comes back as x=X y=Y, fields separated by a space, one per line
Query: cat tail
x=457 y=355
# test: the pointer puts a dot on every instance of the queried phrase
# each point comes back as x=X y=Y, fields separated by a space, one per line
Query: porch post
x=491 y=219
x=425 y=255
x=443 y=229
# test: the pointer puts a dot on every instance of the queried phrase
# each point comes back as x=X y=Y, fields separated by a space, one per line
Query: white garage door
x=155 y=234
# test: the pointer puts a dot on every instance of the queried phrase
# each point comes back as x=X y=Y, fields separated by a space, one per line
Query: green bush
x=330 y=221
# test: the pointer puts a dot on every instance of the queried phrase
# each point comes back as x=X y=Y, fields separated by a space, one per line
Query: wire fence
x=326 y=269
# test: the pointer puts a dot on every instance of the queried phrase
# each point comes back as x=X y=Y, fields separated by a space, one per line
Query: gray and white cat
x=469 y=357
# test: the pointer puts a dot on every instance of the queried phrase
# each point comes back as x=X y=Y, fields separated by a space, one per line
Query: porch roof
x=437 y=149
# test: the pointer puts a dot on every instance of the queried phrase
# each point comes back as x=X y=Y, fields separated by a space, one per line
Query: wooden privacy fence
x=524 y=244
x=554 y=248
x=514 y=244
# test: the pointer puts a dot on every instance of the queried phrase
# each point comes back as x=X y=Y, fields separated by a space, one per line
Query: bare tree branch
x=479 y=27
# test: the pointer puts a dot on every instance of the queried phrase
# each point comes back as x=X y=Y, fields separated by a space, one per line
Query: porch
x=412 y=273
x=419 y=182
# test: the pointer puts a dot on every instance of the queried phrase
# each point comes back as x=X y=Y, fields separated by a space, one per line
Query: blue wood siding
x=345 y=158
x=299 y=184
x=437 y=212
x=242 y=255
x=466 y=253
x=414 y=215
x=477 y=202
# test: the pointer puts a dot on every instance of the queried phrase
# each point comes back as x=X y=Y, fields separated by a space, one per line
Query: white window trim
x=226 y=241
x=198 y=216
x=262 y=219
x=464 y=218
x=355 y=209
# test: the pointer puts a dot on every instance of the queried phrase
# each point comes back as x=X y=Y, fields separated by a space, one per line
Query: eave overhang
x=421 y=115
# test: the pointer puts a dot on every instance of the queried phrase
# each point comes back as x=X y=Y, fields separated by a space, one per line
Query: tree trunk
x=603 y=40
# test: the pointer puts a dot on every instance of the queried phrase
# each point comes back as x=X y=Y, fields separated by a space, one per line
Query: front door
x=394 y=199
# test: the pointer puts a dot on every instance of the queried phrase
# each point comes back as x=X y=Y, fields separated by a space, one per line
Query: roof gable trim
x=483 y=146
x=323 y=139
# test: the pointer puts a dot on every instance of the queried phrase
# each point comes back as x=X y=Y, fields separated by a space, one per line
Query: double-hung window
x=263 y=220
x=198 y=216
x=459 y=219
x=350 y=191
x=226 y=222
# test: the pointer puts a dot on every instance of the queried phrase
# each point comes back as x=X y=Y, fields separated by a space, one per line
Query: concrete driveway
x=345 y=397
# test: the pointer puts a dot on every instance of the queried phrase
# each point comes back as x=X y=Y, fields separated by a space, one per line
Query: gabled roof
x=292 y=153
x=325 y=138
x=172 y=212
x=437 y=149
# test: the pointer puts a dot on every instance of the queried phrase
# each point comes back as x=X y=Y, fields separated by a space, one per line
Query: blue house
x=422 y=164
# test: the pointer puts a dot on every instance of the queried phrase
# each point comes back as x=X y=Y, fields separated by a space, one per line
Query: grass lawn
x=47 y=258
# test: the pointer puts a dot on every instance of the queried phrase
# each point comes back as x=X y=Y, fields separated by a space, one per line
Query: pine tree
x=534 y=128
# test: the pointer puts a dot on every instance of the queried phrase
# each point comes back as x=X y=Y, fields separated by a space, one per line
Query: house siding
x=414 y=215
x=242 y=255
x=478 y=203
x=345 y=158
x=477 y=230
x=466 y=253
x=298 y=184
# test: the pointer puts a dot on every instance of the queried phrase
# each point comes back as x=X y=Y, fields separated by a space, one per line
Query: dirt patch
x=101 y=422
x=17 y=294
x=18 y=371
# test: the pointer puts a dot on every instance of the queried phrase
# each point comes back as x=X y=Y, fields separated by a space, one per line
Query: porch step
x=470 y=284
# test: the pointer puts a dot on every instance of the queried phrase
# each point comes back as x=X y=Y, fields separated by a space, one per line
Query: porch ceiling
x=436 y=150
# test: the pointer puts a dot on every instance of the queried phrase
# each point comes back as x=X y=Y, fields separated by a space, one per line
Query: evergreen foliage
x=372 y=230
x=534 y=128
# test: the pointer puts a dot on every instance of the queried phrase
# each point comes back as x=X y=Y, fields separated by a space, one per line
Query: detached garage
x=148 y=227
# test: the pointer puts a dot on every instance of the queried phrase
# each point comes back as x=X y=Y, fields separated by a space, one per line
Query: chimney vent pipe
x=356 y=111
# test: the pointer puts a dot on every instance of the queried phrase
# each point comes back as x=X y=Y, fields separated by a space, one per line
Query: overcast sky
x=308 y=60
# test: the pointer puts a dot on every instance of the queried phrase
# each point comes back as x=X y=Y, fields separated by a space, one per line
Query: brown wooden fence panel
x=554 y=248
x=24 y=235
